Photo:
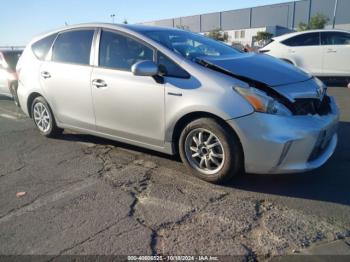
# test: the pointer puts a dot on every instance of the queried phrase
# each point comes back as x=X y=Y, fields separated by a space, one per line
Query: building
x=243 y=24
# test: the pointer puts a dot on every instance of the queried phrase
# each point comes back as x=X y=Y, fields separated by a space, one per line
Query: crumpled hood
x=263 y=68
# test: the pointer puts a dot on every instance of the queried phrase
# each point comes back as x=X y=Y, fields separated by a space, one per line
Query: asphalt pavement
x=82 y=195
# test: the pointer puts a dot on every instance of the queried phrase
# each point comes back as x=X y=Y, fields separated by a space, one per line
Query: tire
x=13 y=90
x=43 y=118
x=215 y=164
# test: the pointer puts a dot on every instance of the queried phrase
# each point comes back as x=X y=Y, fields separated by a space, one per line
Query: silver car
x=225 y=112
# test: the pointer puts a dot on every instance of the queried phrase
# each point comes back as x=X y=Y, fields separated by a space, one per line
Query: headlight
x=263 y=103
x=321 y=88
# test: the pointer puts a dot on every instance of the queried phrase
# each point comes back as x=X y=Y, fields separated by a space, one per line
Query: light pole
x=112 y=16
x=335 y=13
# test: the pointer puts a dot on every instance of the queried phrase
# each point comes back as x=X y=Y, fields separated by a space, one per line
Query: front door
x=336 y=48
x=127 y=106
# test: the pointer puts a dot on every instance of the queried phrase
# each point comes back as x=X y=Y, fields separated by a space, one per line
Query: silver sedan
x=225 y=112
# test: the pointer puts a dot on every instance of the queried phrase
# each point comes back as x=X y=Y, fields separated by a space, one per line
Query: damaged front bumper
x=275 y=144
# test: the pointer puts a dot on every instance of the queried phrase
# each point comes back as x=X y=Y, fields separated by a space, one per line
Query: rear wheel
x=43 y=118
x=210 y=151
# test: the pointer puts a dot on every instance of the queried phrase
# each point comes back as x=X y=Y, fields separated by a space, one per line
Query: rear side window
x=121 y=52
x=311 y=39
x=268 y=42
x=73 y=47
x=169 y=68
x=335 y=38
x=42 y=47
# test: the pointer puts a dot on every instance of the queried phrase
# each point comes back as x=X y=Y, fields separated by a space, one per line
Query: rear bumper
x=23 y=95
x=276 y=144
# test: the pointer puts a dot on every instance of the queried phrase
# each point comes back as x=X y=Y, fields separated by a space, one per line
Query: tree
x=318 y=21
x=125 y=21
x=218 y=35
x=263 y=36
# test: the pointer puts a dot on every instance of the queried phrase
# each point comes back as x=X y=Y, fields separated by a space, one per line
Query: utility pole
x=335 y=13
x=112 y=16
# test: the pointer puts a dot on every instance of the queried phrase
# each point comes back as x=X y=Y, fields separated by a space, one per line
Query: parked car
x=224 y=111
x=323 y=53
x=8 y=76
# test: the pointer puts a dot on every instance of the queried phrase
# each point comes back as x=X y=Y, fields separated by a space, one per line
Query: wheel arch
x=182 y=122
x=30 y=100
x=288 y=61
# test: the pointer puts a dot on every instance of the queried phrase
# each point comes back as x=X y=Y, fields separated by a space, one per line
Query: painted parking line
x=50 y=198
x=9 y=116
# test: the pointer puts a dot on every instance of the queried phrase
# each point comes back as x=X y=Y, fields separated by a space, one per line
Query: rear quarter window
x=42 y=47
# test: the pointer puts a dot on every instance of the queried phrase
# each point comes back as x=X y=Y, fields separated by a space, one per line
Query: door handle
x=331 y=51
x=98 y=83
x=45 y=74
x=291 y=51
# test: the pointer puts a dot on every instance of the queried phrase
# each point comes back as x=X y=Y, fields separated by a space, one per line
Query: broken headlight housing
x=261 y=102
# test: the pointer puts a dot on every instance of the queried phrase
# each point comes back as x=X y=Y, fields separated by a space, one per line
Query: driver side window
x=169 y=68
x=118 y=51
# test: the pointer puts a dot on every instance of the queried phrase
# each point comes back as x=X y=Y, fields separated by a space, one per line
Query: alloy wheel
x=204 y=151
x=42 y=117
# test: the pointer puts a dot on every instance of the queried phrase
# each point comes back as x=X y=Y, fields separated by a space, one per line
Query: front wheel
x=43 y=118
x=211 y=151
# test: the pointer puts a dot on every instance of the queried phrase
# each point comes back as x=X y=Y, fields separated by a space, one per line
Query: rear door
x=336 y=48
x=66 y=78
x=305 y=50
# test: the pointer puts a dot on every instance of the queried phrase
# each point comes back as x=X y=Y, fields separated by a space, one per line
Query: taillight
x=11 y=75
x=15 y=76
x=18 y=72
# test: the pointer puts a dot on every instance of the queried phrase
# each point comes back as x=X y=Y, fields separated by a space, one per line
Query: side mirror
x=145 y=68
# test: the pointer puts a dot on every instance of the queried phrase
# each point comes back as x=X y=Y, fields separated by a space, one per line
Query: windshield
x=190 y=45
x=11 y=58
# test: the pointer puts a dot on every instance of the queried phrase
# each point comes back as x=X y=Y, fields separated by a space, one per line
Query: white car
x=319 y=52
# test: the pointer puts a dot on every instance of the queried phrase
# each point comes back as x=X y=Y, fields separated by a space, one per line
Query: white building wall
x=248 y=35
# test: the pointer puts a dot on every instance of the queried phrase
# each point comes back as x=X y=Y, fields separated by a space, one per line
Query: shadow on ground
x=5 y=98
x=329 y=183
x=103 y=141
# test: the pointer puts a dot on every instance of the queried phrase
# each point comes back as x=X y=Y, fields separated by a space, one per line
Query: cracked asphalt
x=91 y=196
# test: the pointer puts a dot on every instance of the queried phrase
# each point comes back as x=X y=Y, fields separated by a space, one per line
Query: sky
x=20 y=20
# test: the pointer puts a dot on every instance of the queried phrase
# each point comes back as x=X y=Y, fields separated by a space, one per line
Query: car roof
x=135 y=30
x=138 y=28
x=287 y=36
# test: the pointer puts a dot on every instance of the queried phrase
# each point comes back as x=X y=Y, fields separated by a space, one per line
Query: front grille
x=312 y=106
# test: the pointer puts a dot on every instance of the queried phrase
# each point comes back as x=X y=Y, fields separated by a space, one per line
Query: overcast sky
x=20 y=20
